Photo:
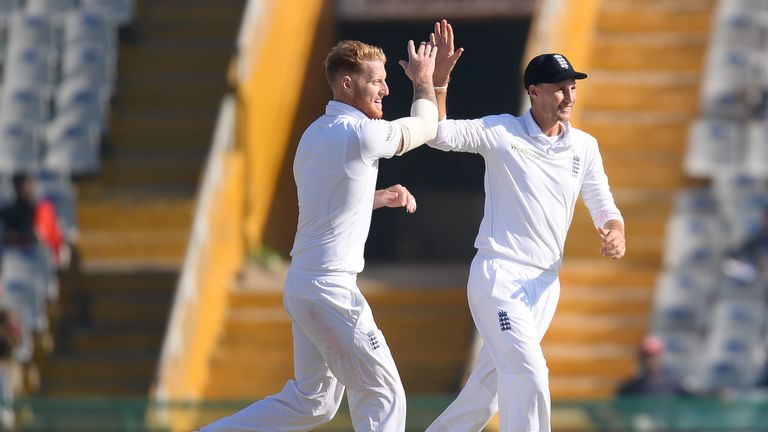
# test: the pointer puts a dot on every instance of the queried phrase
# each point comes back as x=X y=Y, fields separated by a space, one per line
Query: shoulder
x=376 y=131
x=581 y=137
x=499 y=120
x=584 y=143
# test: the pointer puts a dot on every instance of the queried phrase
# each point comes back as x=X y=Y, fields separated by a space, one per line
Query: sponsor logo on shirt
x=390 y=132
x=525 y=152
x=576 y=166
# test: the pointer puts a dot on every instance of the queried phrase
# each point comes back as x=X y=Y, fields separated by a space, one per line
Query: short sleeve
x=379 y=139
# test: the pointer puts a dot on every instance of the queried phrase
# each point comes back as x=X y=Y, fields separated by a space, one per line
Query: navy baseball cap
x=549 y=68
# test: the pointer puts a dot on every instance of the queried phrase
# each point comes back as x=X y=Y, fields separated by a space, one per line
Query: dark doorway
x=448 y=186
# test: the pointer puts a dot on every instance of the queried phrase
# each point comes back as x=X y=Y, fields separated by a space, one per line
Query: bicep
x=379 y=139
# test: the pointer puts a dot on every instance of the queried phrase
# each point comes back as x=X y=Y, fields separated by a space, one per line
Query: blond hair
x=348 y=56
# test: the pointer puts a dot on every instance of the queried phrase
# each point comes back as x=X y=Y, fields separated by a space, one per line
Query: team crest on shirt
x=504 y=321
x=373 y=340
x=576 y=166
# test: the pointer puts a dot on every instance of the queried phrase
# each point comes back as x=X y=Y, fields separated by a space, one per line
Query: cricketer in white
x=535 y=167
x=336 y=341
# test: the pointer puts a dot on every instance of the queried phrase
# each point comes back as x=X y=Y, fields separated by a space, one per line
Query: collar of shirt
x=541 y=140
x=340 y=108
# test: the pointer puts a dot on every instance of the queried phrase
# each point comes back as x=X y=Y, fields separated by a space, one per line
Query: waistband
x=505 y=261
x=298 y=272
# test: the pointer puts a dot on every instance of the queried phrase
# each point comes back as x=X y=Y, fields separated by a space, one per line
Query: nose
x=384 y=88
x=570 y=96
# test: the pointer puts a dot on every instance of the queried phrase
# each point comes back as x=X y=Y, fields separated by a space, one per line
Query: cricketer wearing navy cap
x=537 y=166
x=549 y=68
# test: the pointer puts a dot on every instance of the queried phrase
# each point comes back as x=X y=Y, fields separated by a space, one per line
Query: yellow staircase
x=421 y=311
x=645 y=66
x=135 y=214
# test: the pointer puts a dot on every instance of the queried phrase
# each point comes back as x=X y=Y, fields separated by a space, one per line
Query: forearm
x=441 y=95
x=421 y=126
x=423 y=89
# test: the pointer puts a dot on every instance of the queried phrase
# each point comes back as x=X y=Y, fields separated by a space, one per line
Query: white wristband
x=445 y=87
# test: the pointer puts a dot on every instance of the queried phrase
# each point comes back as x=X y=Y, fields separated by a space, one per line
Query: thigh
x=311 y=371
x=338 y=321
x=502 y=307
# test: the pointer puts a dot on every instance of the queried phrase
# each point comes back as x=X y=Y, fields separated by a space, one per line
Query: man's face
x=554 y=101
x=368 y=89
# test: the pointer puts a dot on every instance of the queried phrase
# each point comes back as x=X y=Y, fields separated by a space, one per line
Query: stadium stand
x=58 y=86
x=726 y=348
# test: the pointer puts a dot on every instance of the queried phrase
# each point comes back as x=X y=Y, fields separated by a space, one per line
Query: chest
x=558 y=171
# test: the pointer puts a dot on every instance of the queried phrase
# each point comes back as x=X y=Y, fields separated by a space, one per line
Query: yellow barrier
x=268 y=102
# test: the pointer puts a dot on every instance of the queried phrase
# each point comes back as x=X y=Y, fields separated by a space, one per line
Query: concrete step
x=597 y=300
x=213 y=27
x=597 y=360
x=639 y=160
x=170 y=92
x=138 y=367
x=578 y=327
x=633 y=51
x=106 y=246
x=171 y=130
x=682 y=16
x=198 y=10
x=603 y=273
x=103 y=387
x=156 y=169
x=118 y=340
x=666 y=92
x=135 y=215
x=177 y=56
x=571 y=387
x=628 y=131
x=156 y=282
x=93 y=190
x=130 y=311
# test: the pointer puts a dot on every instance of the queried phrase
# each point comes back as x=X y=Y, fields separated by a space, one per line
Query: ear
x=533 y=90
x=346 y=83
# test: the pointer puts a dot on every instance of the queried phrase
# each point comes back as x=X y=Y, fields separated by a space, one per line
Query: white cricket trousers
x=512 y=306
x=336 y=344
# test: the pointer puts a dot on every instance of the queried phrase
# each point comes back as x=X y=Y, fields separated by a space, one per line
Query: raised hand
x=446 y=57
x=421 y=63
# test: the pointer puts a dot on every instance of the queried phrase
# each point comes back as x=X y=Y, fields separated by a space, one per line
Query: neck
x=550 y=127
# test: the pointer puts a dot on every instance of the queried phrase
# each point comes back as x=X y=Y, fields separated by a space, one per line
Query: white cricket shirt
x=335 y=172
x=531 y=185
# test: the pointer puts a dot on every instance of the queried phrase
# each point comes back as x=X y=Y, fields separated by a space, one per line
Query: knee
x=326 y=406
x=321 y=406
x=326 y=412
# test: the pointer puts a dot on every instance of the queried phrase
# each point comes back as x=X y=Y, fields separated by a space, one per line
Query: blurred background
x=148 y=207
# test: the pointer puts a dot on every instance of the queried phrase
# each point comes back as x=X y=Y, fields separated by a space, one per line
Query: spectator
x=29 y=221
x=651 y=378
